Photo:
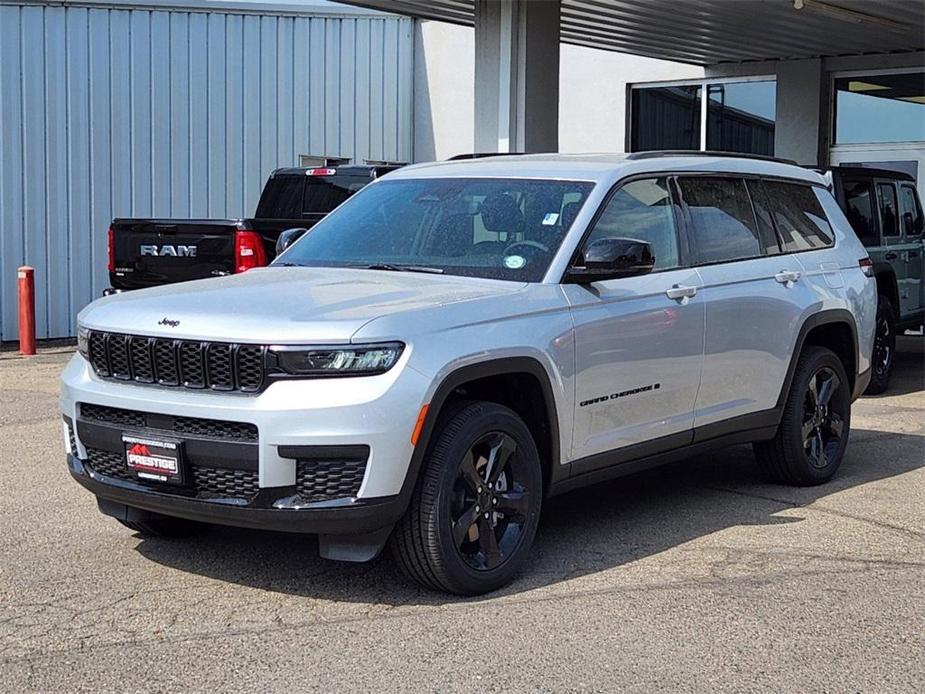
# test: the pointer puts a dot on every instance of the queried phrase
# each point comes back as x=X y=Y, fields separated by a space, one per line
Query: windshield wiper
x=289 y=265
x=403 y=268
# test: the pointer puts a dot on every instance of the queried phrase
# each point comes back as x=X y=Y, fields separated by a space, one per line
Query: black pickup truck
x=150 y=252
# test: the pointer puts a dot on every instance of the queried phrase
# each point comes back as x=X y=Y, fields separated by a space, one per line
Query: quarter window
x=859 y=209
x=798 y=214
x=723 y=226
x=911 y=211
x=642 y=210
x=889 y=220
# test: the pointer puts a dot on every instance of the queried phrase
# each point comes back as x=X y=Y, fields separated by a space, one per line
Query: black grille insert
x=194 y=426
x=204 y=482
x=216 y=365
x=327 y=480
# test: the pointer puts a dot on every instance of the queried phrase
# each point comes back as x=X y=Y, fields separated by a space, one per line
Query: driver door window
x=642 y=210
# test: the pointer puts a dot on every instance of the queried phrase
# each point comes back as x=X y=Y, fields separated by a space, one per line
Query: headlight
x=359 y=360
x=83 y=342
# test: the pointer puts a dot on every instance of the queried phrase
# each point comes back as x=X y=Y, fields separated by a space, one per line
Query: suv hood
x=282 y=305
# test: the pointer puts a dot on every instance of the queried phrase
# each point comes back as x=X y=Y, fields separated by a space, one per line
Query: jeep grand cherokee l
x=461 y=340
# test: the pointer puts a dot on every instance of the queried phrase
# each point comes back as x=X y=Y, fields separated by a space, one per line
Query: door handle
x=679 y=292
x=787 y=277
x=890 y=256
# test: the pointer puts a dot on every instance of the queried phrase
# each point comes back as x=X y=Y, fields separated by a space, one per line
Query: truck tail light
x=111 y=244
x=248 y=250
x=320 y=172
x=867 y=266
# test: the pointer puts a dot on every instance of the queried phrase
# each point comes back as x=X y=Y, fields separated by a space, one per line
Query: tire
x=434 y=543
x=882 y=358
x=162 y=527
x=811 y=440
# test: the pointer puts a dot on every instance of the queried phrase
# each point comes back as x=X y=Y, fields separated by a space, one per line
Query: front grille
x=194 y=426
x=112 y=415
x=186 y=363
x=327 y=480
x=204 y=482
x=215 y=481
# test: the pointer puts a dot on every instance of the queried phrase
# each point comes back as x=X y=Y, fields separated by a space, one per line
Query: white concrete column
x=516 y=75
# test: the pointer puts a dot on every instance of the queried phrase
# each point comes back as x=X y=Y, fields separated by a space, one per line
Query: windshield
x=496 y=228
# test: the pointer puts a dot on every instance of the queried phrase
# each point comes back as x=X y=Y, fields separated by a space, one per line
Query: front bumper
x=378 y=412
x=270 y=510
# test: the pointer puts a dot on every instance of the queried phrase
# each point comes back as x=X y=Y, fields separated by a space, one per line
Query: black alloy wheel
x=884 y=348
x=812 y=436
x=823 y=425
x=476 y=505
x=490 y=503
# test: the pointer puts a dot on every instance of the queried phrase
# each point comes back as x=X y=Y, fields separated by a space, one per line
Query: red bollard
x=26 y=310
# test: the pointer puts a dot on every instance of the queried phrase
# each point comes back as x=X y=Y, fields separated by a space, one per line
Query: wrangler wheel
x=474 y=513
x=884 y=348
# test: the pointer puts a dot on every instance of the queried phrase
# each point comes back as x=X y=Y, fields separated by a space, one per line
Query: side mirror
x=287 y=238
x=613 y=258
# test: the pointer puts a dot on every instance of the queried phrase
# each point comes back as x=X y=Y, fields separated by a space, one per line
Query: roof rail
x=654 y=154
x=481 y=155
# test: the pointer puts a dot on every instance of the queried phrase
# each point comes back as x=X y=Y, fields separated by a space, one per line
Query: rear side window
x=911 y=210
x=889 y=219
x=799 y=217
x=641 y=210
x=282 y=198
x=859 y=209
x=723 y=226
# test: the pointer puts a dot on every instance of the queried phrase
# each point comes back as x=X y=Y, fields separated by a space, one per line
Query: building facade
x=180 y=108
x=174 y=109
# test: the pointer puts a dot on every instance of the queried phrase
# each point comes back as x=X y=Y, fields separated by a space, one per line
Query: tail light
x=867 y=266
x=248 y=250
x=112 y=249
x=321 y=172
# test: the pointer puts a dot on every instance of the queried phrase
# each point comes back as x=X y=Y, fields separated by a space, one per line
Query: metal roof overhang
x=706 y=32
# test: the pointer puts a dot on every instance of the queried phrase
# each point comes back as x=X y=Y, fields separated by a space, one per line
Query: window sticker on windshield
x=550 y=218
x=514 y=262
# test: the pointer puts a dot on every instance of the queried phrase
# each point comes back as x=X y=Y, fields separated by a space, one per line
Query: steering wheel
x=529 y=244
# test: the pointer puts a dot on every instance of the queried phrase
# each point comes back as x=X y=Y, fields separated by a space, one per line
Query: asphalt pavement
x=694 y=577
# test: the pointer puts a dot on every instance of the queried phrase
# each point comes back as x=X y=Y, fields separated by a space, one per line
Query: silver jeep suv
x=461 y=340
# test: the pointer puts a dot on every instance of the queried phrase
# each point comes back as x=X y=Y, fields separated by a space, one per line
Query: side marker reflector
x=419 y=425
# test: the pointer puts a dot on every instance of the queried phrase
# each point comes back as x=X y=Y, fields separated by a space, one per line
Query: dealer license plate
x=156 y=460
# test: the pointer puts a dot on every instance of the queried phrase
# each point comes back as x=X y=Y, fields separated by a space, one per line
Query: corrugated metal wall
x=179 y=113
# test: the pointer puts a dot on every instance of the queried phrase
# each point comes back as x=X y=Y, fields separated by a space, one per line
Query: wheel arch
x=835 y=329
x=482 y=373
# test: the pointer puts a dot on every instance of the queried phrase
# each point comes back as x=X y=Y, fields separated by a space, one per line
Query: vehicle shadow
x=584 y=532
